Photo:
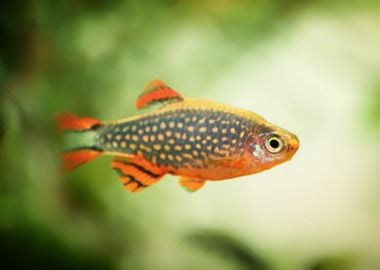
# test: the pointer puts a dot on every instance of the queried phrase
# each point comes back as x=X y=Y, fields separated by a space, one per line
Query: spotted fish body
x=194 y=136
x=198 y=140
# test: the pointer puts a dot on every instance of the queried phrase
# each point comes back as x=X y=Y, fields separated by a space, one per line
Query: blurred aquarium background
x=312 y=67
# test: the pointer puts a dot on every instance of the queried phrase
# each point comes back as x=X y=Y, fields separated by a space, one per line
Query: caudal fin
x=85 y=148
x=73 y=122
x=74 y=158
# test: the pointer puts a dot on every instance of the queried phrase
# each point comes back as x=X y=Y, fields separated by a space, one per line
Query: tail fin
x=73 y=122
x=84 y=151
x=75 y=158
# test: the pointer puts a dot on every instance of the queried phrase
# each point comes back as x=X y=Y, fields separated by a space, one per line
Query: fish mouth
x=294 y=144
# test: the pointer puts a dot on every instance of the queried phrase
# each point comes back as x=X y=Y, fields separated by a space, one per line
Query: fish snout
x=293 y=144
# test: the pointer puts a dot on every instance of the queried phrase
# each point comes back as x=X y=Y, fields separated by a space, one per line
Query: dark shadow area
x=37 y=249
x=229 y=248
x=332 y=264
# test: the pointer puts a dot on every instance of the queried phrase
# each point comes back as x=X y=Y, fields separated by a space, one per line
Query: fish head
x=269 y=146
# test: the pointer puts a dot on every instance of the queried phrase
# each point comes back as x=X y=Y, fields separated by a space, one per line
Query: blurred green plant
x=373 y=105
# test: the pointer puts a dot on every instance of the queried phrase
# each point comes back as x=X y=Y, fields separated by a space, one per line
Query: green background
x=312 y=67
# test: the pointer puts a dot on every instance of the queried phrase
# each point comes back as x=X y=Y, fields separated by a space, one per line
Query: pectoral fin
x=136 y=175
x=157 y=92
x=191 y=184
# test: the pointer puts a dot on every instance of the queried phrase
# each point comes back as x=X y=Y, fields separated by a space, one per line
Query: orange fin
x=135 y=175
x=155 y=92
x=75 y=158
x=73 y=122
x=191 y=184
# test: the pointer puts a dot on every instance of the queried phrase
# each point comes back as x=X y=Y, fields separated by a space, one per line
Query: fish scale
x=197 y=140
x=188 y=137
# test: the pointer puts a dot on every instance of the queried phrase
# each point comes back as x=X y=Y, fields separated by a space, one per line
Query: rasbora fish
x=195 y=139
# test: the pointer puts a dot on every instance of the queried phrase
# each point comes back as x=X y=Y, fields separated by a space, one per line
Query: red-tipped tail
x=83 y=152
x=73 y=122
x=75 y=158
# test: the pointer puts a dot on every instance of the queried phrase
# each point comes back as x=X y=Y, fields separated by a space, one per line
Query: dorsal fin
x=156 y=92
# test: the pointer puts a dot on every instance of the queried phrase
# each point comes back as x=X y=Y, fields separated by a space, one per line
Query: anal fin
x=136 y=175
x=191 y=184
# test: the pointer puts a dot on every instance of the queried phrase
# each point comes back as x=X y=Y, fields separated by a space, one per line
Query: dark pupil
x=274 y=143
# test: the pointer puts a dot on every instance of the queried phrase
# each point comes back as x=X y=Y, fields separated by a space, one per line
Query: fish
x=197 y=140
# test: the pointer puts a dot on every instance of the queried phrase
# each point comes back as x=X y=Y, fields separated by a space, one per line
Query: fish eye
x=274 y=144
